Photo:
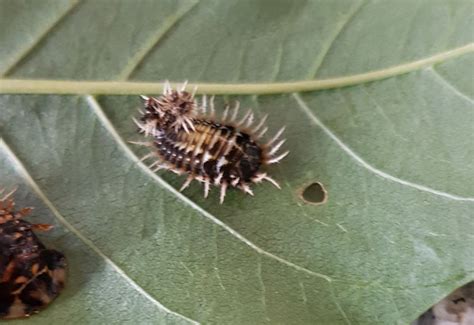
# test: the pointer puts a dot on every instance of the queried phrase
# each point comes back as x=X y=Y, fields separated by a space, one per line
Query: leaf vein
x=97 y=109
x=35 y=187
x=167 y=25
x=313 y=70
x=278 y=61
x=449 y=85
x=338 y=306
x=306 y=110
x=22 y=54
x=263 y=289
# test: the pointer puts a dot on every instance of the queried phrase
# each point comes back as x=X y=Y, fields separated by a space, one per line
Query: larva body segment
x=222 y=152
x=211 y=152
x=31 y=275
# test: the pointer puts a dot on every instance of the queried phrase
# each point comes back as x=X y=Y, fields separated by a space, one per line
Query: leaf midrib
x=44 y=86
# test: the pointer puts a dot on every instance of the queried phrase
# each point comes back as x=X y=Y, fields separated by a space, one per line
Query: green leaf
x=394 y=151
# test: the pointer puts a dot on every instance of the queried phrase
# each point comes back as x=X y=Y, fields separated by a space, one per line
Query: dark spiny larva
x=31 y=275
x=222 y=151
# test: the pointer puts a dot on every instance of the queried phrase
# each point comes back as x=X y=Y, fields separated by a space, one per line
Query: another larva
x=31 y=275
x=215 y=151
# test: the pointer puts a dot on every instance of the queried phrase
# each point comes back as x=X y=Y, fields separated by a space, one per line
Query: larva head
x=172 y=109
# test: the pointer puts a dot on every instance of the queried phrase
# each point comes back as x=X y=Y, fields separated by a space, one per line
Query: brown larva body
x=31 y=275
x=220 y=152
x=212 y=151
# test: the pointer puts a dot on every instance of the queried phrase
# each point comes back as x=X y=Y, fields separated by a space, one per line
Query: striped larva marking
x=188 y=138
x=31 y=275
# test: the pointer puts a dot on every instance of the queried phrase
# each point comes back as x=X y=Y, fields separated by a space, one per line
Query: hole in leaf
x=314 y=193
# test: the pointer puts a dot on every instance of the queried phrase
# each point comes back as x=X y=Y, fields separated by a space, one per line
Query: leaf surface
x=394 y=152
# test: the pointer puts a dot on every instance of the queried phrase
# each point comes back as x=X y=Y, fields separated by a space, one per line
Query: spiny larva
x=31 y=275
x=222 y=151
